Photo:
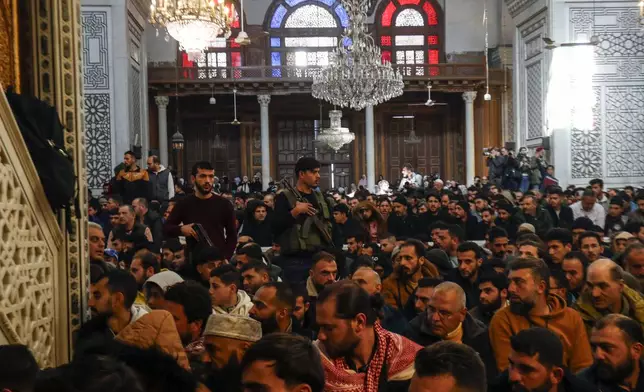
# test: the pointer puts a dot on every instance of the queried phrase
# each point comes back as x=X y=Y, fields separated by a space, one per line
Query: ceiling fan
x=235 y=120
x=430 y=102
x=551 y=44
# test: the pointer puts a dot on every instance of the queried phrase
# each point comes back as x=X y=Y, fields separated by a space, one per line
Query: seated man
x=225 y=294
x=536 y=364
x=255 y=275
x=494 y=296
x=189 y=303
x=144 y=265
x=446 y=318
x=281 y=362
x=532 y=305
x=447 y=367
x=156 y=287
x=606 y=293
x=392 y=320
x=226 y=339
x=617 y=350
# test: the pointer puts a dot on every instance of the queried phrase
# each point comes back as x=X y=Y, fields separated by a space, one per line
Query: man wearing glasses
x=446 y=318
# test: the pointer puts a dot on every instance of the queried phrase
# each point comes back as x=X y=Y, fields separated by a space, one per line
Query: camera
x=487 y=151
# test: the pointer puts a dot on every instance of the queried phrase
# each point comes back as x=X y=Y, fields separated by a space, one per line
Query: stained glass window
x=310 y=42
x=410 y=33
x=410 y=40
x=298 y=27
x=410 y=17
x=310 y=16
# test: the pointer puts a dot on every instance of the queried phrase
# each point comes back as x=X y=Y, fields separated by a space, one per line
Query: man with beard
x=213 y=212
x=302 y=221
x=324 y=272
x=536 y=215
x=498 y=241
x=536 y=365
x=617 y=349
x=111 y=302
x=128 y=226
x=255 y=274
x=357 y=353
x=132 y=181
x=448 y=238
x=273 y=307
x=606 y=293
x=470 y=259
x=532 y=305
x=559 y=242
x=402 y=223
x=493 y=297
x=634 y=260
x=226 y=339
x=448 y=367
x=275 y=363
x=189 y=304
x=143 y=266
x=468 y=222
x=168 y=249
x=413 y=265
x=446 y=318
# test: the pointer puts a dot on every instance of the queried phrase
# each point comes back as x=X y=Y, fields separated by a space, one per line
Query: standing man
x=212 y=211
x=597 y=186
x=538 y=167
x=302 y=228
x=409 y=177
x=161 y=181
x=150 y=219
x=132 y=181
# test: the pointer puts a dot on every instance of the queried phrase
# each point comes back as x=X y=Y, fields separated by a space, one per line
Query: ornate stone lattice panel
x=614 y=146
x=98 y=97
x=624 y=129
x=26 y=270
x=135 y=103
x=534 y=100
x=586 y=146
x=98 y=139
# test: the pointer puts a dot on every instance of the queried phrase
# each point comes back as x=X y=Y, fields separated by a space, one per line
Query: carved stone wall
x=99 y=95
x=612 y=149
x=57 y=50
x=29 y=251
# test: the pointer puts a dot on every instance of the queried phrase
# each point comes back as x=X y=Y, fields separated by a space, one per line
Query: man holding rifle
x=302 y=220
x=203 y=214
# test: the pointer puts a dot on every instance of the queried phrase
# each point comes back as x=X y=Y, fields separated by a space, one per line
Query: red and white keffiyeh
x=394 y=351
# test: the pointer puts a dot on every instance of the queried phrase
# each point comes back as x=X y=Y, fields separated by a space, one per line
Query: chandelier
x=335 y=136
x=412 y=139
x=357 y=76
x=195 y=24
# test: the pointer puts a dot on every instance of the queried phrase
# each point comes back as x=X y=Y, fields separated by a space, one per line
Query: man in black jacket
x=149 y=218
x=473 y=229
x=446 y=318
x=402 y=223
x=536 y=364
x=616 y=342
x=561 y=215
x=470 y=259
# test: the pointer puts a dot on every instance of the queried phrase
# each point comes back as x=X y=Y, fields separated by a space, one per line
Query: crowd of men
x=443 y=289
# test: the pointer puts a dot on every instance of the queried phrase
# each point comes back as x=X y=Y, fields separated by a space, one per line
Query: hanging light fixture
x=193 y=23
x=487 y=96
x=177 y=141
x=412 y=138
x=357 y=75
x=217 y=144
x=335 y=136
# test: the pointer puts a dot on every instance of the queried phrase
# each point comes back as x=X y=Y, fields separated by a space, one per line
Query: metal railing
x=171 y=74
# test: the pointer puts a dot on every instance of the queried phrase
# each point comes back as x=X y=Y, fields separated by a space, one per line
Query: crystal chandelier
x=357 y=76
x=335 y=136
x=412 y=138
x=193 y=23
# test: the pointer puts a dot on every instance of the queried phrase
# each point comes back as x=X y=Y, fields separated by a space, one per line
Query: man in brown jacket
x=413 y=266
x=112 y=295
x=531 y=305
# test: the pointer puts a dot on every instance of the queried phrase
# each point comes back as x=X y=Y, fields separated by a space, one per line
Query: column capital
x=162 y=101
x=469 y=96
x=264 y=99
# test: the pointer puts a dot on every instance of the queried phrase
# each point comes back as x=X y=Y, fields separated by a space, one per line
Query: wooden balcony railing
x=438 y=72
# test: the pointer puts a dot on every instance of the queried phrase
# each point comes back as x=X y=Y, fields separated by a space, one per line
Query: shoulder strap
x=290 y=197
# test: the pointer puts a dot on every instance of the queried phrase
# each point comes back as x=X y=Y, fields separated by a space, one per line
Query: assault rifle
x=322 y=228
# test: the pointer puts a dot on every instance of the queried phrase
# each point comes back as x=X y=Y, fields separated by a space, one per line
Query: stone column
x=264 y=100
x=162 y=104
x=469 y=97
x=370 y=148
